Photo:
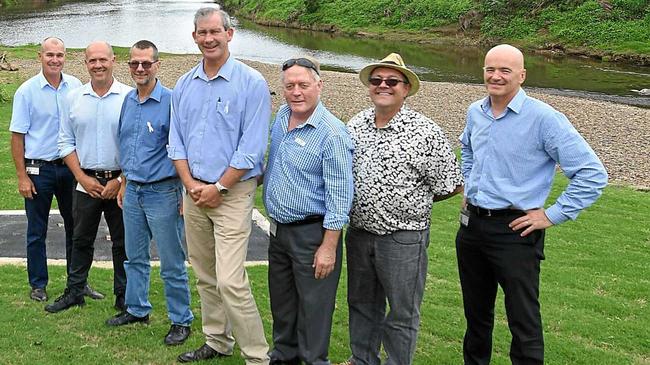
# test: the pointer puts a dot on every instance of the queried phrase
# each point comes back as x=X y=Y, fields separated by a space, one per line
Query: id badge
x=273 y=227
x=464 y=217
x=32 y=169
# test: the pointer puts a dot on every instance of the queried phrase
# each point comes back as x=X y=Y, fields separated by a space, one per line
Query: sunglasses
x=133 y=65
x=300 y=62
x=376 y=81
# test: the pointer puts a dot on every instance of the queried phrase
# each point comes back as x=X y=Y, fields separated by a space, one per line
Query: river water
x=168 y=23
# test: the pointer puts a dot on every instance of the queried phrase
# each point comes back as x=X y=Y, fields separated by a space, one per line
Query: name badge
x=300 y=142
x=464 y=217
x=32 y=170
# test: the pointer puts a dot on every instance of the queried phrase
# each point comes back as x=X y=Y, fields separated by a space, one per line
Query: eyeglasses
x=376 y=81
x=145 y=64
x=300 y=62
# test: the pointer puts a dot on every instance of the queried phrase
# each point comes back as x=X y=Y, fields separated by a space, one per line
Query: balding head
x=100 y=46
x=52 y=42
x=503 y=72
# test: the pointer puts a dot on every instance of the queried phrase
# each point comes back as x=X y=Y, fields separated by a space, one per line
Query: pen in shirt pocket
x=218 y=102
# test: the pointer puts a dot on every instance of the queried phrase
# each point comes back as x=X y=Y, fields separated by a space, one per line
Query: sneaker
x=65 y=301
x=177 y=335
x=92 y=293
x=38 y=294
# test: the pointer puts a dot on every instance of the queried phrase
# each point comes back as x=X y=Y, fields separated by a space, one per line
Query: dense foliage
x=607 y=25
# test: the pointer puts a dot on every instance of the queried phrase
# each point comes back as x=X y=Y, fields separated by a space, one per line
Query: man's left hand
x=324 y=260
x=209 y=196
x=533 y=220
x=111 y=189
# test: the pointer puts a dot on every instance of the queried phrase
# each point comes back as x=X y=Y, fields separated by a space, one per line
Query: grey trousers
x=302 y=306
x=392 y=267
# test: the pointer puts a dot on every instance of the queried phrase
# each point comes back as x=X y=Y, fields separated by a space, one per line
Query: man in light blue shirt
x=88 y=144
x=308 y=192
x=510 y=148
x=220 y=118
x=38 y=106
x=150 y=197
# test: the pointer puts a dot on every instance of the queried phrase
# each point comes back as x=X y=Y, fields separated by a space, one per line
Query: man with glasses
x=150 y=197
x=34 y=127
x=220 y=122
x=510 y=148
x=307 y=193
x=88 y=145
x=402 y=164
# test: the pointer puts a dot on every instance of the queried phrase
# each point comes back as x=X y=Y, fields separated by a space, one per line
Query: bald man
x=41 y=174
x=88 y=144
x=510 y=147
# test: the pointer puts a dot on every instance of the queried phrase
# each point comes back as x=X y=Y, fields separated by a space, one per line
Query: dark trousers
x=491 y=254
x=52 y=180
x=87 y=215
x=302 y=306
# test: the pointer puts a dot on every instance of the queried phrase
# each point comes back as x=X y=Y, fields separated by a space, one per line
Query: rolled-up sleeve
x=67 y=142
x=337 y=176
x=255 y=131
x=176 y=146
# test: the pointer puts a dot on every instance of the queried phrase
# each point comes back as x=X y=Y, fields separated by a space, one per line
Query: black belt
x=58 y=161
x=103 y=174
x=205 y=182
x=153 y=182
x=308 y=220
x=483 y=212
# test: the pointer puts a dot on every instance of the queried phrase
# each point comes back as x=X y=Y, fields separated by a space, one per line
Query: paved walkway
x=13 y=225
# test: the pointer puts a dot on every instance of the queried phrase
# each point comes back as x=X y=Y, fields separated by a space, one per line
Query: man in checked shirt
x=308 y=193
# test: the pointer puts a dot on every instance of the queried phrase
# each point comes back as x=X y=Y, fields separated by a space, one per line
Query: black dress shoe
x=202 y=353
x=38 y=294
x=92 y=293
x=65 y=301
x=126 y=318
x=119 y=303
x=177 y=335
x=294 y=361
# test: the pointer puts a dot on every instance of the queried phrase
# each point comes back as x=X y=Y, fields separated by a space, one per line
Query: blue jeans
x=52 y=180
x=392 y=267
x=152 y=210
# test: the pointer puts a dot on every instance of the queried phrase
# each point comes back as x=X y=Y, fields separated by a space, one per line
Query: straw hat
x=394 y=61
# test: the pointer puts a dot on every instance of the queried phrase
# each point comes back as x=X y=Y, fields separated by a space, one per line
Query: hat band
x=391 y=62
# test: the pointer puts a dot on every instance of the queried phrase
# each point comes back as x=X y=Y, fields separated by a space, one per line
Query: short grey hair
x=226 y=20
x=313 y=73
x=55 y=40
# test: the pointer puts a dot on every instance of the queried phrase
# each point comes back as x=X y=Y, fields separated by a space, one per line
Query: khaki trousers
x=217 y=242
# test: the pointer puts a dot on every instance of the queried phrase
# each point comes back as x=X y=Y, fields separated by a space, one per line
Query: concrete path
x=13 y=225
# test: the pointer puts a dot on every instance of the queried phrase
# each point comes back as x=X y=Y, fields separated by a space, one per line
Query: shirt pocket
x=154 y=134
x=228 y=115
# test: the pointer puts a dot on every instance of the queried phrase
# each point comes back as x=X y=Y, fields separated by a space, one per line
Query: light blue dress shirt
x=37 y=113
x=90 y=126
x=509 y=160
x=220 y=122
x=143 y=135
x=310 y=169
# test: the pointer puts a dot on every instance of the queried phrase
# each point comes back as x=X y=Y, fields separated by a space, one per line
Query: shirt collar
x=515 y=104
x=396 y=121
x=156 y=93
x=225 y=71
x=115 y=89
x=43 y=81
x=314 y=119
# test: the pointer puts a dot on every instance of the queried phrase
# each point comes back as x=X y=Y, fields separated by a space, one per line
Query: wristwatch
x=222 y=189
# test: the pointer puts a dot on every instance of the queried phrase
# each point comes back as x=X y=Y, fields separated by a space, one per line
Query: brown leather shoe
x=202 y=353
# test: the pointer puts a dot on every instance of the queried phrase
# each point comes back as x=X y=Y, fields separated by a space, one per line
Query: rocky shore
x=619 y=134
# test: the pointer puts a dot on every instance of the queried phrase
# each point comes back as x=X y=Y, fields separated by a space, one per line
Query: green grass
x=595 y=289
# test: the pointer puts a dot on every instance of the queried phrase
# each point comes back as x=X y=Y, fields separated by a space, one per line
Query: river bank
x=619 y=134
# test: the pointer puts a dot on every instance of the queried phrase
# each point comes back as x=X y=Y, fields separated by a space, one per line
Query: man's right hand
x=26 y=187
x=92 y=186
x=192 y=189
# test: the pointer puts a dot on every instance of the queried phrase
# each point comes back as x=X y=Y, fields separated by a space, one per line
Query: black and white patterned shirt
x=398 y=170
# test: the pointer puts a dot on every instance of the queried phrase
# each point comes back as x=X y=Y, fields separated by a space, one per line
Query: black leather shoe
x=38 y=294
x=126 y=318
x=65 y=301
x=294 y=361
x=119 y=303
x=202 y=353
x=92 y=293
x=177 y=335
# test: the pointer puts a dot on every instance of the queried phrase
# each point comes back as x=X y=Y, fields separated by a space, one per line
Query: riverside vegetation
x=595 y=284
x=607 y=29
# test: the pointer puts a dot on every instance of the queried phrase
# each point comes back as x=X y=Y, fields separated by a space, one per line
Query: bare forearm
x=459 y=189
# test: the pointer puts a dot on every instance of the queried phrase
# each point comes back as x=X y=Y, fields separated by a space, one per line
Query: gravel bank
x=619 y=134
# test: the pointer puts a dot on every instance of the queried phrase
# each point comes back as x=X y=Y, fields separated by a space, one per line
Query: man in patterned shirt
x=308 y=194
x=402 y=164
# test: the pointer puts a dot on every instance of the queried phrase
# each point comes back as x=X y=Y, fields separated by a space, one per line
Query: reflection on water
x=168 y=23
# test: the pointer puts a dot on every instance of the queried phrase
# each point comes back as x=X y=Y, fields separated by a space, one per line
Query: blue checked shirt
x=309 y=170
x=37 y=113
x=143 y=135
x=220 y=122
x=509 y=160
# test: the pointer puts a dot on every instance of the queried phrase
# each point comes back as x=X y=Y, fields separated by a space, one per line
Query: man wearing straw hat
x=402 y=164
